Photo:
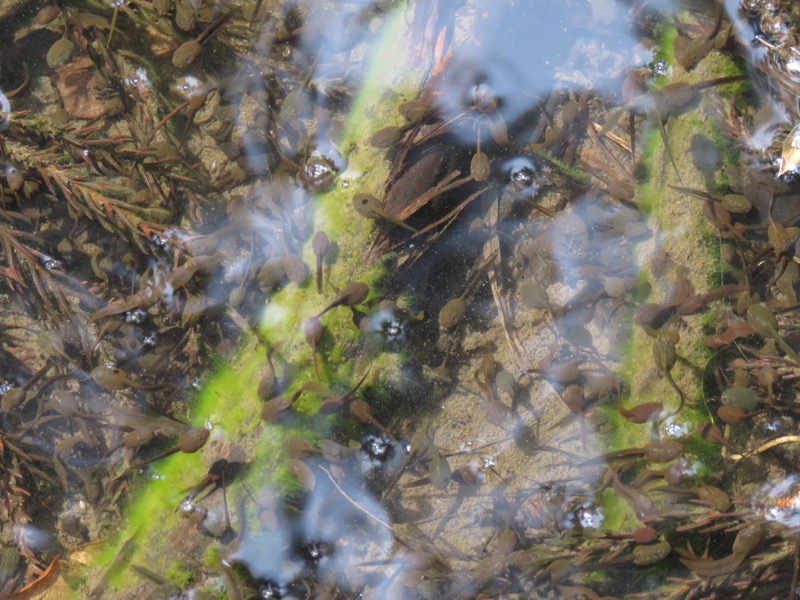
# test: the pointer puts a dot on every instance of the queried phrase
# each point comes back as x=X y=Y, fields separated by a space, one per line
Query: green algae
x=617 y=514
x=648 y=194
x=665 y=51
x=229 y=398
x=674 y=221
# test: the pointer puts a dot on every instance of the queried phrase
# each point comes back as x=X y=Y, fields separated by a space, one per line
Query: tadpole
x=351 y=294
x=320 y=244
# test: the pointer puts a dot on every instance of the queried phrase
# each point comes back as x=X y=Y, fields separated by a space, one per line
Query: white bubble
x=5 y=111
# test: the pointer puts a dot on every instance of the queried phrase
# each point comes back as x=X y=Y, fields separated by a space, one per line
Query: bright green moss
x=229 y=399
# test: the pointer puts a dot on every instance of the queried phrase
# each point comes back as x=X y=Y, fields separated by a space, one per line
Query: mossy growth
x=648 y=194
x=665 y=51
x=688 y=238
x=229 y=398
x=213 y=556
x=706 y=456
x=617 y=514
x=709 y=321
x=178 y=574
x=720 y=270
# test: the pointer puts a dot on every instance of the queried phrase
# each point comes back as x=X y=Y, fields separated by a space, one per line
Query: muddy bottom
x=323 y=300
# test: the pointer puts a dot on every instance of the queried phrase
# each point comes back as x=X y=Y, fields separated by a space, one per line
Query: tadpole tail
x=319 y=275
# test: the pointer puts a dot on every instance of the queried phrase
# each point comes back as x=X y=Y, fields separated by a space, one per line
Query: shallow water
x=526 y=394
